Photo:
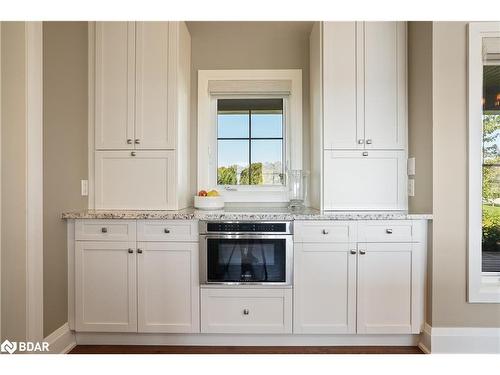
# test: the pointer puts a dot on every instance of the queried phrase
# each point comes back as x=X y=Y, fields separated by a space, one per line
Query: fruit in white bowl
x=210 y=200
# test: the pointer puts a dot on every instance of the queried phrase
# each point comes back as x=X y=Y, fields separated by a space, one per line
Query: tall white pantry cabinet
x=359 y=115
x=139 y=86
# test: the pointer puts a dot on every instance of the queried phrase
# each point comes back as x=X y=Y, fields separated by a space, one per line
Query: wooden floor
x=146 y=349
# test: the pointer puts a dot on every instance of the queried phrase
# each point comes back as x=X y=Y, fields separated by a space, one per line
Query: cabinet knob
x=388 y=231
x=361 y=141
x=104 y=230
x=325 y=231
x=129 y=141
x=368 y=141
x=133 y=153
x=139 y=251
x=365 y=153
x=362 y=252
x=137 y=141
x=166 y=230
x=130 y=251
x=246 y=311
x=353 y=251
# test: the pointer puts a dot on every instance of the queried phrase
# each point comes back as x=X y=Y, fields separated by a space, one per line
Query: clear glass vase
x=297 y=188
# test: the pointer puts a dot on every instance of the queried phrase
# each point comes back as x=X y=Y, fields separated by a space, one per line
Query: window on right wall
x=484 y=163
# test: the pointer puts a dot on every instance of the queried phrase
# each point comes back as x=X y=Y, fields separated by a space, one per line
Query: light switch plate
x=411 y=166
x=85 y=188
x=411 y=187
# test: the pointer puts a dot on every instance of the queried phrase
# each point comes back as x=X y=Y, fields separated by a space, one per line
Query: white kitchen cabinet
x=385 y=288
x=364 y=85
x=114 y=85
x=342 y=128
x=167 y=287
x=139 y=94
x=240 y=310
x=325 y=288
x=135 y=180
x=154 y=127
x=365 y=180
x=105 y=286
x=385 y=93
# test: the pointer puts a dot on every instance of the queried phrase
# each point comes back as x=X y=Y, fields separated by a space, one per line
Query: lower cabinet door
x=325 y=288
x=168 y=287
x=384 y=288
x=105 y=286
x=246 y=310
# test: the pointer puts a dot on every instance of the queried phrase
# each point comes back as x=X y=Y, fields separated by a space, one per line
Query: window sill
x=254 y=196
x=488 y=290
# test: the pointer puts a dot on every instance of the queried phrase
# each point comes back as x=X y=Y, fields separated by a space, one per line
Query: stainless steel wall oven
x=246 y=253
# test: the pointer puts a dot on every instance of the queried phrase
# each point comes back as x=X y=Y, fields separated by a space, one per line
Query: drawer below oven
x=235 y=310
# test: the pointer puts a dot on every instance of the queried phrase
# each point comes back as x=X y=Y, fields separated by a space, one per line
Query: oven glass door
x=246 y=260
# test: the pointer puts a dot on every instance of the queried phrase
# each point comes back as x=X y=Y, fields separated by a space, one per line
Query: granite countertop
x=264 y=213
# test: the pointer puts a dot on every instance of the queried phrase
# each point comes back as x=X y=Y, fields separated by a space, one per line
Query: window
x=491 y=169
x=250 y=142
x=249 y=121
x=484 y=162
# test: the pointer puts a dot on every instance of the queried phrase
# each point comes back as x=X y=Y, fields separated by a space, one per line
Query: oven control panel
x=248 y=227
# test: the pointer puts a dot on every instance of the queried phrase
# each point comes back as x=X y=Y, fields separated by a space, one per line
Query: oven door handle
x=245 y=236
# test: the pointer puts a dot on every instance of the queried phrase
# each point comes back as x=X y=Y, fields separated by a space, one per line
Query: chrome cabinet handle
x=137 y=141
x=139 y=251
x=388 y=231
x=104 y=230
x=133 y=153
x=130 y=251
x=353 y=251
x=361 y=141
x=368 y=141
x=129 y=141
x=365 y=153
x=325 y=231
x=166 y=230
x=362 y=252
x=246 y=312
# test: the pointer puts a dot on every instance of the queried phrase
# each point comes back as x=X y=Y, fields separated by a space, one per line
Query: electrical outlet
x=411 y=166
x=85 y=188
x=411 y=187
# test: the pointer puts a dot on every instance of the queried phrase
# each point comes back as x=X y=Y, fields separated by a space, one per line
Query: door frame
x=34 y=179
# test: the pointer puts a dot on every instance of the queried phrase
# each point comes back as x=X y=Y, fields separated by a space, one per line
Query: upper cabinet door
x=114 y=85
x=153 y=127
x=385 y=96
x=341 y=126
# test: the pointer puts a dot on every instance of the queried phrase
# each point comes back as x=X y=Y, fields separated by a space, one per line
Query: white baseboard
x=460 y=340
x=90 y=338
x=62 y=340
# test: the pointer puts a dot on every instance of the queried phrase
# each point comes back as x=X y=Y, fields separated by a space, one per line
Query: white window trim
x=482 y=288
x=207 y=131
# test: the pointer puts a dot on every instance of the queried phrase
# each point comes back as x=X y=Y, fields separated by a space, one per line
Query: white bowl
x=209 y=203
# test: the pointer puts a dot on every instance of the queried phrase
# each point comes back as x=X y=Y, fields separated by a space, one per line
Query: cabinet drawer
x=246 y=310
x=167 y=230
x=324 y=231
x=105 y=230
x=385 y=231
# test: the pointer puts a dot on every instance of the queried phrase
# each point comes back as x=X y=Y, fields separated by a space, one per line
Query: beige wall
x=249 y=45
x=420 y=113
x=13 y=179
x=65 y=153
x=449 y=306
